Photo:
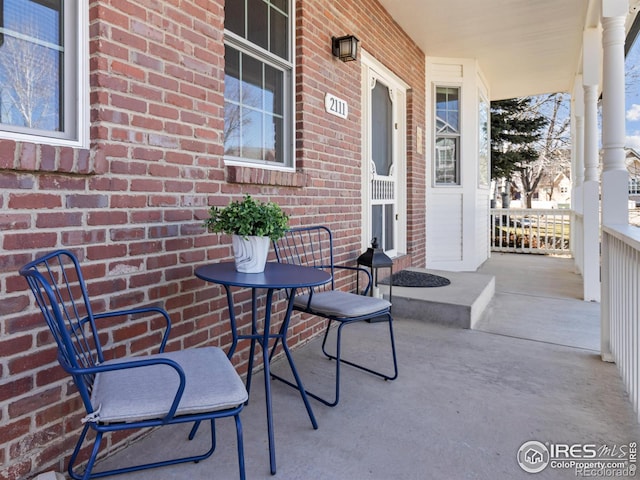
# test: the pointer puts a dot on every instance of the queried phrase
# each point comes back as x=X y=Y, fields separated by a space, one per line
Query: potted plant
x=252 y=225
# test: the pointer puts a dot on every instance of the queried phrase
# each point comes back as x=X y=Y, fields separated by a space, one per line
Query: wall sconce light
x=345 y=48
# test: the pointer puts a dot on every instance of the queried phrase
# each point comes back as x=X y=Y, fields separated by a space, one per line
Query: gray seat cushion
x=144 y=393
x=336 y=303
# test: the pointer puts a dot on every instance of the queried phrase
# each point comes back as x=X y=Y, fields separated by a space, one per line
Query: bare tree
x=29 y=82
x=234 y=119
x=553 y=145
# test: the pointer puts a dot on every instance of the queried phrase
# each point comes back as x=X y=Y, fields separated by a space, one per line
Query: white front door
x=384 y=157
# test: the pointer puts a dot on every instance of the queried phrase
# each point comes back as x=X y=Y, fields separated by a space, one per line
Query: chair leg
x=339 y=360
x=298 y=381
x=362 y=367
x=240 y=444
x=213 y=435
x=96 y=447
x=94 y=453
x=194 y=429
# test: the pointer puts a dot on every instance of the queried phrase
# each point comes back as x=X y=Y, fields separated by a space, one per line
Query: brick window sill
x=33 y=157
x=258 y=176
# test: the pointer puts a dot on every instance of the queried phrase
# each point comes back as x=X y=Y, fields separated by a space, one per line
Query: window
x=484 y=149
x=447 y=136
x=634 y=186
x=42 y=70
x=258 y=121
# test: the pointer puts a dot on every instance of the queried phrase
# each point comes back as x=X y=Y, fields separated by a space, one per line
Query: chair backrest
x=310 y=247
x=59 y=289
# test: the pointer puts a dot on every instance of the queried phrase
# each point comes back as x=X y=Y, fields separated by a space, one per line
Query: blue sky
x=633 y=97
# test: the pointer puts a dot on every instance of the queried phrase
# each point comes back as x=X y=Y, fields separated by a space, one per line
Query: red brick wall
x=131 y=206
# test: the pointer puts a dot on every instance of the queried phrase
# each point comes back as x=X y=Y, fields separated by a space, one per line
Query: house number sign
x=336 y=106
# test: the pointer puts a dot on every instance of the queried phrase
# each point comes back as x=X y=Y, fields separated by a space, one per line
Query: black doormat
x=409 y=278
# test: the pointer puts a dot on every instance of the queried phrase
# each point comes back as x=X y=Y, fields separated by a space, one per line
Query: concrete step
x=460 y=304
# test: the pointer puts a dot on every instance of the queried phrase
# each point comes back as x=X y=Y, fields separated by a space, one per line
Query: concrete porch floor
x=464 y=402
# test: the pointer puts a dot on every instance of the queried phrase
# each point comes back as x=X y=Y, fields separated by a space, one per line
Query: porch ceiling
x=524 y=47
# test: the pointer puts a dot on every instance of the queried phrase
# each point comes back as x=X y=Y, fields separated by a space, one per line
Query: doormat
x=409 y=278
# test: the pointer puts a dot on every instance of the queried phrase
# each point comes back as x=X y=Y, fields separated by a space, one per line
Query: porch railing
x=526 y=230
x=620 y=335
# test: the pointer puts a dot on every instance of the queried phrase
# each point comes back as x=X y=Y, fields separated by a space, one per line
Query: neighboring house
x=555 y=190
x=143 y=114
x=632 y=161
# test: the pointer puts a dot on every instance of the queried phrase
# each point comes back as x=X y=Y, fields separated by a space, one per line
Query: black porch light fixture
x=375 y=258
x=345 y=48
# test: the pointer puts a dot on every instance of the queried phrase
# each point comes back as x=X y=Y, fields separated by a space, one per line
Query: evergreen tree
x=514 y=131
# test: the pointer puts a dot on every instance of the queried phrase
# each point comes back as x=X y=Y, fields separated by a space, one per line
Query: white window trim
x=76 y=103
x=247 y=47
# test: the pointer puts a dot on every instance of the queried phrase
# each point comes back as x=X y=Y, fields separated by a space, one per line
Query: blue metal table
x=275 y=276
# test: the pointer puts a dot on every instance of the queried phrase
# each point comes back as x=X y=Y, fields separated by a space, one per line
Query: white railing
x=620 y=335
x=527 y=230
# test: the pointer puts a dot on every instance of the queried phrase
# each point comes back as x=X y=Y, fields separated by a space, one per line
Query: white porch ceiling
x=523 y=47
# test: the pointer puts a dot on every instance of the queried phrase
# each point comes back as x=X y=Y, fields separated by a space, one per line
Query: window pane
x=382 y=128
x=279 y=34
x=273 y=90
x=281 y=4
x=273 y=139
x=446 y=160
x=232 y=113
x=231 y=74
x=234 y=16
x=31 y=60
x=389 y=217
x=252 y=134
x=257 y=23
x=232 y=130
x=447 y=120
x=251 y=82
x=376 y=222
x=484 y=148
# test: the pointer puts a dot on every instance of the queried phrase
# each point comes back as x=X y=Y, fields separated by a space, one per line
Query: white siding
x=445 y=226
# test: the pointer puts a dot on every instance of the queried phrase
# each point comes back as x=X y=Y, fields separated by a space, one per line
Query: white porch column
x=591 y=187
x=577 y=174
x=615 y=185
x=614 y=174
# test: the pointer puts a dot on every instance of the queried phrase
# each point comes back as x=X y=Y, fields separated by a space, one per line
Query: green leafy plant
x=248 y=218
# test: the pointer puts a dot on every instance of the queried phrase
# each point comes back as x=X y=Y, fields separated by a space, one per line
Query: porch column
x=591 y=187
x=577 y=175
x=615 y=183
x=614 y=174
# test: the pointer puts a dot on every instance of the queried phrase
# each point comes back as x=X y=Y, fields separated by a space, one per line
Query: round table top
x=275 y=275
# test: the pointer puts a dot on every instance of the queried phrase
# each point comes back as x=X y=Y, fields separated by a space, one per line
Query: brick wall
x=131 y=206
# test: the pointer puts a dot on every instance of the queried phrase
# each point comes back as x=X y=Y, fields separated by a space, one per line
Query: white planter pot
x=250 y=253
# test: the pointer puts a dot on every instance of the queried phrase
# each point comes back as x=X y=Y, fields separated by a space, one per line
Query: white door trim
x=372 y=69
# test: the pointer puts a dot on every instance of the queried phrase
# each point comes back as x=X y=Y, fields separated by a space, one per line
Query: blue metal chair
x=313 y=246
x=186 y=386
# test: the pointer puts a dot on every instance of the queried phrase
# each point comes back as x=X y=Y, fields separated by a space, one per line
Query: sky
x=633 y=97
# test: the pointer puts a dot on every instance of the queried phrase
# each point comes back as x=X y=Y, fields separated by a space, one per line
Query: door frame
x=372 y=68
